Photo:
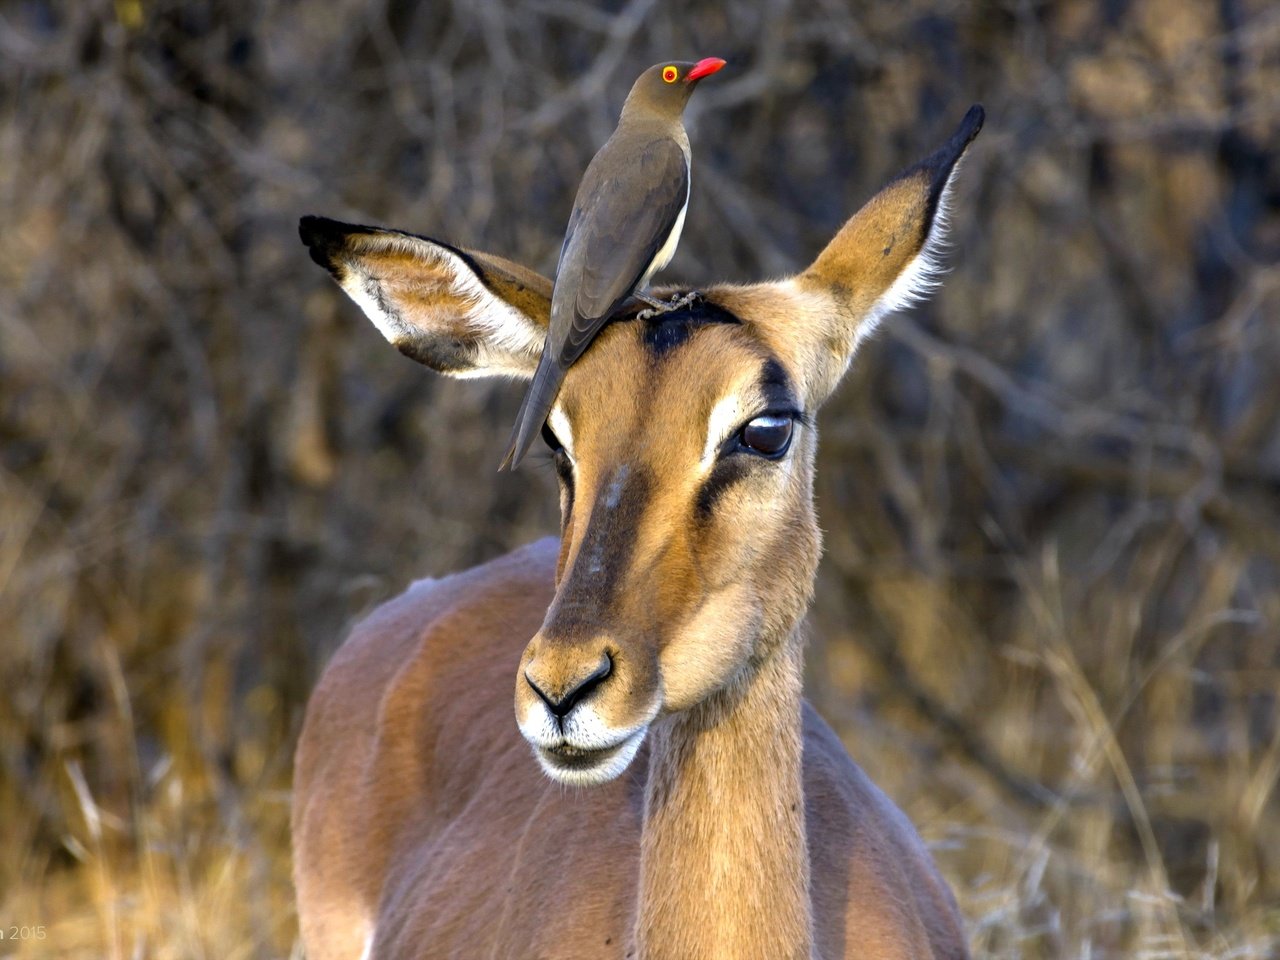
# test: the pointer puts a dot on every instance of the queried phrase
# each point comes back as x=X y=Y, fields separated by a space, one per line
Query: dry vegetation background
x=1049 y=615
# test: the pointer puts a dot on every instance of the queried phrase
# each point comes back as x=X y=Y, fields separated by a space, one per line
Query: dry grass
x=1049 y=618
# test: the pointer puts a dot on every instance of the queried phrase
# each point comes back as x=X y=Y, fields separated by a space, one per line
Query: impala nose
x=563 y=699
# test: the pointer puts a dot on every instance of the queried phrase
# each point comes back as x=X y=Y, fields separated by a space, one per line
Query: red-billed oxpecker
x=624 y=228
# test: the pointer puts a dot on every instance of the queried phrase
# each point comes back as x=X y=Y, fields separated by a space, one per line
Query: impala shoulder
x=525 y=575
x=516 y=585
x=464 y=611
x=870 y=863
x=845 y=796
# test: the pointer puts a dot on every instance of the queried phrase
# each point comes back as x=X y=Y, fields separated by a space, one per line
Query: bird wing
x=619 y=223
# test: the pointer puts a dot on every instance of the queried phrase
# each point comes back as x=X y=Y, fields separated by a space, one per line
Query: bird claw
x=658 y=307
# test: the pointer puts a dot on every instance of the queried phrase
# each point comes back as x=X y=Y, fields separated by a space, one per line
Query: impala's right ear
x=887 y=256
x=462 y=313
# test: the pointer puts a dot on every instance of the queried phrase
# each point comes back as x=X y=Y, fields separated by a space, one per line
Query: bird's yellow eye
x=670 y=74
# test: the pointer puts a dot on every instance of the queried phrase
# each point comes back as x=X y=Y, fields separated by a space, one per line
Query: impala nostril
x=551 y=704
x=561 y=705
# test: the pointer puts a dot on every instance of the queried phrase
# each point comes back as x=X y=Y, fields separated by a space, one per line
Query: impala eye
x=551 y=440
x=768 y=435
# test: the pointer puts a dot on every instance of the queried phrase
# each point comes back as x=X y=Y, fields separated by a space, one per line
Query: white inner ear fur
x=922 y=276
x=509 y=341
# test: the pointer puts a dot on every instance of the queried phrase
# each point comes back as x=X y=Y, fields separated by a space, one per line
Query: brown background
x=1049 y=615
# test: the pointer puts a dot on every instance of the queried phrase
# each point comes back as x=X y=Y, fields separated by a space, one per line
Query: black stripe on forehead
x=667 y=331
x=776 y=387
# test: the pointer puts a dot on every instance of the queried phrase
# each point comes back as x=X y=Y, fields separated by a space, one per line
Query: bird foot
x=658 y=307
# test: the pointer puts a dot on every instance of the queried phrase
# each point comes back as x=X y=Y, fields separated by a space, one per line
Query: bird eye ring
x=670 y=74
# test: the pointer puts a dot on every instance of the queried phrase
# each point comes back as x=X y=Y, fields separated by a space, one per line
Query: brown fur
x=447 y=837
x=741 y=828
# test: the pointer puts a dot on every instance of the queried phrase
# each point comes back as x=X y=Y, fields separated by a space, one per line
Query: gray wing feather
x=618 y=225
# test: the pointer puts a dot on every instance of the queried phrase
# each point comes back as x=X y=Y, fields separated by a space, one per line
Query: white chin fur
x=603 y=772
x=584 y=729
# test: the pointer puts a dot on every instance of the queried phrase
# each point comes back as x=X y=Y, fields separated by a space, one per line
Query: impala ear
x=887 y=256
x=462 y=313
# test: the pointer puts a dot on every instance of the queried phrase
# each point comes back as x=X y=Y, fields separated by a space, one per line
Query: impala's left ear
x=460 y=312
x=885 y=257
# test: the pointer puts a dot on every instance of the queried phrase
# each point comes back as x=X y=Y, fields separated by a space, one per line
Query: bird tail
x=533 y=412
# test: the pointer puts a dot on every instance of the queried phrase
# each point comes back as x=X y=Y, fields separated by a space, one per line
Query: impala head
x=684 y=447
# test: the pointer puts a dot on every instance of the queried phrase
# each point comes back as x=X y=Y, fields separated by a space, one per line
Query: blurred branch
x=592 y=84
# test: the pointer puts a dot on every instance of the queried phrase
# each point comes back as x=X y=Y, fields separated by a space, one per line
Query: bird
x=625 y=226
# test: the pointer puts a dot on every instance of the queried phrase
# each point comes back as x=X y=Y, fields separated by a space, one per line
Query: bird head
x=666 y=87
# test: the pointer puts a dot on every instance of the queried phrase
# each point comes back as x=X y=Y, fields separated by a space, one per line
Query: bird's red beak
x=703 y=68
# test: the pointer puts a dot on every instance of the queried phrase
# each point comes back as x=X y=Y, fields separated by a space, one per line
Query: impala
x=664 y=791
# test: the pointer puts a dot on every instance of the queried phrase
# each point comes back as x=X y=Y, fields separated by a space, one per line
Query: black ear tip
x=324 y=237
x=939 y=165
x=941 y=162
x=972 y=123
x=317 y=230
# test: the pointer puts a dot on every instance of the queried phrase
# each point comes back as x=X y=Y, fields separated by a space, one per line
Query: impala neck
x=724 y=868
